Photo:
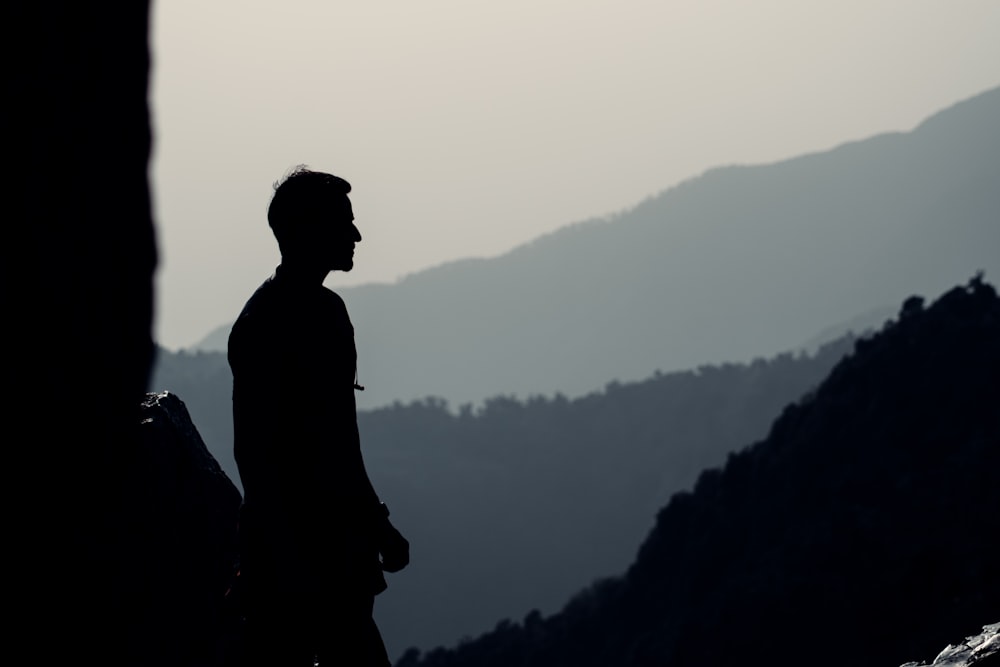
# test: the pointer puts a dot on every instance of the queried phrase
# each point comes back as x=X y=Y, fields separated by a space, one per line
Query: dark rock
x=192 y=508
x=78 y=310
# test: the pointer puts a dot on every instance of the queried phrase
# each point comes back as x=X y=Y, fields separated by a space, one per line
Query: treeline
x=861 y=531
x=518 y=504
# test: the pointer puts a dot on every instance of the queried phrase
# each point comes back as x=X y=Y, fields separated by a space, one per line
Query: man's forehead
x=342 y=207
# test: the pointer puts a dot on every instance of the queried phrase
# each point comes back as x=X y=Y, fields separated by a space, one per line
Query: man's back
x=296 y=438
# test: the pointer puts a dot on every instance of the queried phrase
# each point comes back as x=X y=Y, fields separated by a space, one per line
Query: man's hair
x=300 y=198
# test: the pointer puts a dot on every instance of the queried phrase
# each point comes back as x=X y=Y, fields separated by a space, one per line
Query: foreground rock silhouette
x=78 y=312
x=861 y=531
x=189 y=509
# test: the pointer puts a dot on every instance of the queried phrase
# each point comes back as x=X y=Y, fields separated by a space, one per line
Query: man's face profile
x=337 y=235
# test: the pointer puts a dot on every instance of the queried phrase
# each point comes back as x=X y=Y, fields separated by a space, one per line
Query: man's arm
x=392 y=546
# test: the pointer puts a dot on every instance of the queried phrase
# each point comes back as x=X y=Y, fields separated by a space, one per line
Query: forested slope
x=861 y=531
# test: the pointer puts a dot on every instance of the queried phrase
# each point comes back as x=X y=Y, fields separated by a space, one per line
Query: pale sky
x=469 y=127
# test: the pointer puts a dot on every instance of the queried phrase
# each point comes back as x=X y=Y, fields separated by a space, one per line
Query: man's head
x=312 y=219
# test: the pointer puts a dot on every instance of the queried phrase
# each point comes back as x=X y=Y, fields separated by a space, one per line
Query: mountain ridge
x=741 y=261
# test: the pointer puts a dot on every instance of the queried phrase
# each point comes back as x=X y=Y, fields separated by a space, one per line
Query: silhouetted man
x=312 y=529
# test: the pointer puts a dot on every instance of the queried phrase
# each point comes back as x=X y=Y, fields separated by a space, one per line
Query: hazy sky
x=469 y=127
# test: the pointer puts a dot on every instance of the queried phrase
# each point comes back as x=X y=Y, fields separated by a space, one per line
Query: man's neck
x=303 y=272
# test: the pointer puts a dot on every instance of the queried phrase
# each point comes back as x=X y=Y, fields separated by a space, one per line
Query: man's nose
x=357 y=234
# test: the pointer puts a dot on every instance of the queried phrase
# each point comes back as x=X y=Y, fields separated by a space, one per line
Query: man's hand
x=394 y=548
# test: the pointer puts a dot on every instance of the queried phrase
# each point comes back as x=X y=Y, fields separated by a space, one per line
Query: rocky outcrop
x=191 y=508
x=169 y=538
x=982 y=650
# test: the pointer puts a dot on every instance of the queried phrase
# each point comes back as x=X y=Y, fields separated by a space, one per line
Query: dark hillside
x=861 y=531
x=518 y=504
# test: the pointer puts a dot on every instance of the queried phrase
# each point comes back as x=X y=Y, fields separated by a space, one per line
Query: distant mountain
x=217 y=340
x=740 y=262
x=862 y=531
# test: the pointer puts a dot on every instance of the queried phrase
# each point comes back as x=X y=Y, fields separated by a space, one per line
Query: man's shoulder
x=262 y=307
x=289 y=306
x=265 y=297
